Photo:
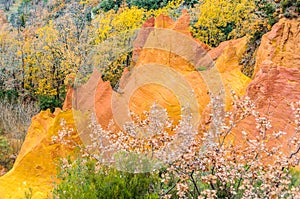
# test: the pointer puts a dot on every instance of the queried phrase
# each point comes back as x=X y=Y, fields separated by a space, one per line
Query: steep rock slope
x=35 y=166
x=165 y=47
x=276 y=81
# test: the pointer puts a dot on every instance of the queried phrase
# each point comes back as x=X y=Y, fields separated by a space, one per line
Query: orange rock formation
x=276 y=82
x=35 y=165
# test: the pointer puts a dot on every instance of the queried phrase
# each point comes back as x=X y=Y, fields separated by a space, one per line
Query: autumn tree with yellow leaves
x=220 y=20
x=36 y=56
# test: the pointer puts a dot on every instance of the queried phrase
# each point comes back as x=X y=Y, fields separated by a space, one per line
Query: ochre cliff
x=35 y=166
x=275 y=84
x=157 y=47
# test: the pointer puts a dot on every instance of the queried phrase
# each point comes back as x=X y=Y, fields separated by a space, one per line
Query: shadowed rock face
x=281 y=46
x=277 y=65
x=276 y=82
x=277 y=71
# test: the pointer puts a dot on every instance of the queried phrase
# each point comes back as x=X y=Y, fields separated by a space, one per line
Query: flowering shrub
x=208 y=164
x=252 y=168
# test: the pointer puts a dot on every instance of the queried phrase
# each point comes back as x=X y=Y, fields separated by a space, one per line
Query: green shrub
x=295 y=179
x=148 y=4
x=10 y=95
x=5 y=153
x=49 y=102
x=290 y=8
x=191 y=3
x=287 y=3
x=83 y=178
x=107 y=5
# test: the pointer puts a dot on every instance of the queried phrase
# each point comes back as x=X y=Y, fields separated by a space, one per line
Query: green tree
x=148 y=4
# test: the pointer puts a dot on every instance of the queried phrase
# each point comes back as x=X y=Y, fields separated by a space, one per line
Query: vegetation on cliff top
x=37 y=55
